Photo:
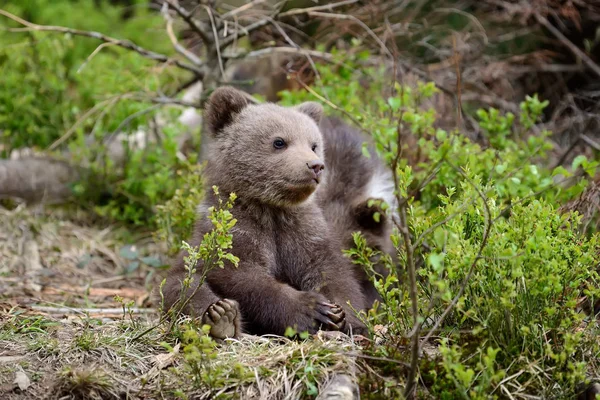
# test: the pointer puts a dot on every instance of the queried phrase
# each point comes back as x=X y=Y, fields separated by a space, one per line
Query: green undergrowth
x=501 y=274
x=62 y=93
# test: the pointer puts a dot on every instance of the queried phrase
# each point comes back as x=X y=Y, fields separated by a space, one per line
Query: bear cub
x=291 y=271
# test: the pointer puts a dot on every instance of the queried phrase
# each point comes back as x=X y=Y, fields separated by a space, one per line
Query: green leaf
x=365 y=150
x=435 y=260
x=395 y=103
x=579 y=160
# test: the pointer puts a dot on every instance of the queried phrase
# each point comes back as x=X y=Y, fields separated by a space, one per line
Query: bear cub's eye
x=314 y=147
x=279 y=143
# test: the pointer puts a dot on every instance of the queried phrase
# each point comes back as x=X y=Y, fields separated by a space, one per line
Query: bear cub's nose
x=317 y=166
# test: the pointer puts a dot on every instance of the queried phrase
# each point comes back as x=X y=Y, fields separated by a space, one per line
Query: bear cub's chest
x=302 y=252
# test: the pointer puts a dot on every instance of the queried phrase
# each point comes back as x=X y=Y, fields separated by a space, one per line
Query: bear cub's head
x=264 y=152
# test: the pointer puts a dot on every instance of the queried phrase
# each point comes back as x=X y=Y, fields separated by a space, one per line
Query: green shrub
x=48 y=80
x=485 y=233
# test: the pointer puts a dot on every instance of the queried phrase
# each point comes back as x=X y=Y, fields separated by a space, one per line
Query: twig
x=178 y=47
x=283 y=50
x=366 y=357
x=328 y=7
x=81 y=120
x=332 y=105
x=590 y=142
x=89 y=58
x=245 y=31
x=574 y=49
x=412 y=276
x=72 y=310
x=289 y=40
x=188 y=18
x=358 y=21
x=130 y=118
x=402 y=226
x=240 y=9
x=126 y=44
x=459 y=118
x=216 y=39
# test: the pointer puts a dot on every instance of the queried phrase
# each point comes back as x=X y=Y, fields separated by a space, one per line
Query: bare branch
x=240 y=9
x=178 y=47
x=126 y=44
x=358 y=21
x=196 y=26
x=216 y=39
x=327 y=7
x=245 y=31
x=283 y=50
x=72 y=310
x=574 y=49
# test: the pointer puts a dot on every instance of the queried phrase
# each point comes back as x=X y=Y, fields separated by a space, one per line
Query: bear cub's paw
x=224 y=319
x=318 y=313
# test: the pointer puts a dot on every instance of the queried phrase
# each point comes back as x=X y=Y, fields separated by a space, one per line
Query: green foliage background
x=57 y=84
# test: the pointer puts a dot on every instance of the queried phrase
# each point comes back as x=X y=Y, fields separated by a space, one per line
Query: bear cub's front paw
x=315 y=313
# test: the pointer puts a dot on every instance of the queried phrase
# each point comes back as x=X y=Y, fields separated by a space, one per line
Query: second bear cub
x=291 y=271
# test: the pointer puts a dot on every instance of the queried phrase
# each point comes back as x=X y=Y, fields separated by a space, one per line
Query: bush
x=500 y=273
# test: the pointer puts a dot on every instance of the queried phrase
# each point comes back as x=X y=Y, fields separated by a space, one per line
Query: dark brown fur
x=291 y=272
x=353 y=180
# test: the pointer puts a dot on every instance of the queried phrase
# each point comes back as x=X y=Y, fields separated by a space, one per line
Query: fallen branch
x=37 y=179
x=127 y=293
x=72 y=310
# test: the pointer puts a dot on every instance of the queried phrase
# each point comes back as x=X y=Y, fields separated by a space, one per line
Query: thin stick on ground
x=76 y=310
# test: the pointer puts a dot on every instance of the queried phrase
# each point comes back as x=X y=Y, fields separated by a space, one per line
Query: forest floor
x=74 y=299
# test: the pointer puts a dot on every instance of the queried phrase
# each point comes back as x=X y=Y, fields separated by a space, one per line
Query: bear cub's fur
x=353 y=180
x=291 y=270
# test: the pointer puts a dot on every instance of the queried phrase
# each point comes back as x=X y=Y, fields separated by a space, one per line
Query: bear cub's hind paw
x=224 y=319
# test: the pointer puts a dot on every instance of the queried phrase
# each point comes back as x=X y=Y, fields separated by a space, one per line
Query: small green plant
x=85 y=383
x=211 y=252
x=176 y=217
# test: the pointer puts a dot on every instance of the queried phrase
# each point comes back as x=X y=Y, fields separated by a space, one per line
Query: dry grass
x=63 y=334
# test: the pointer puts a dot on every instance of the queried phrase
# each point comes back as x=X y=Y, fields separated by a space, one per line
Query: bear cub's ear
x=312 y=109
x=222 y=106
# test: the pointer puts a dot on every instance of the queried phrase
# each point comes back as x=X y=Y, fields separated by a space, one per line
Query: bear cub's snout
x=317 y=167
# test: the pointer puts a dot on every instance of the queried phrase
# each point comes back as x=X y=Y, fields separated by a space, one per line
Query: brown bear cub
x=291 y=271
x=352 y=181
